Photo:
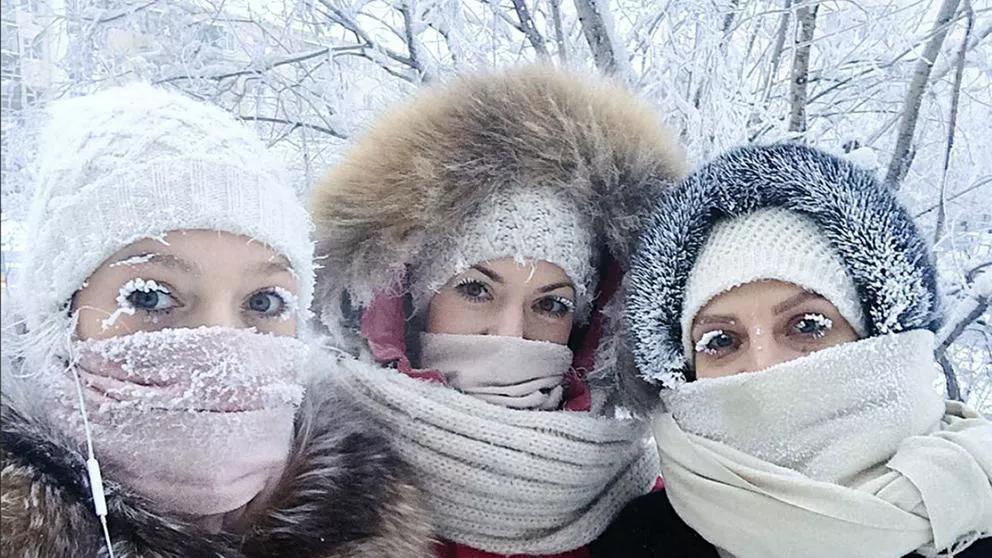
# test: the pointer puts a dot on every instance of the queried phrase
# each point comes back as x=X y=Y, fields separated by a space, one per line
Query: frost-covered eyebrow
x=167 y=260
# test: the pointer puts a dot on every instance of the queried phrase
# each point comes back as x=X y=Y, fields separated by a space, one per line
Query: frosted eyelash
x=291 y=301
x=702 y=346
x=567 y=302
x=124 y=305
x=466 y=281
x=825 y=323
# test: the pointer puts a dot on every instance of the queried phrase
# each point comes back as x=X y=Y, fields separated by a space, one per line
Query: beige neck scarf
x=508 y=371
x=849 y=451
x=503 y=480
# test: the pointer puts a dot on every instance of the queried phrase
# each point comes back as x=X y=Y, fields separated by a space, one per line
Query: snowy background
x=903 y=87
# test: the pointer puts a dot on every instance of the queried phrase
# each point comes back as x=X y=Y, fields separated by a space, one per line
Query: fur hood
x=345 y=494
x=882 y=250
x=424 y=167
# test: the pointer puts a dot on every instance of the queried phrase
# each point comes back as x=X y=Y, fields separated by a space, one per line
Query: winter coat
x=649 y=528
x=423 y=168
x=345 y=493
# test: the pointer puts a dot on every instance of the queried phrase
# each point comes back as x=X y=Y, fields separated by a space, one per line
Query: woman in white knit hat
x=471 y=242
x=784 y=305
x=155 y=394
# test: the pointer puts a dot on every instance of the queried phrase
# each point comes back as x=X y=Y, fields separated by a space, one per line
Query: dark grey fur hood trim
x=889 y=261
x=345 y=494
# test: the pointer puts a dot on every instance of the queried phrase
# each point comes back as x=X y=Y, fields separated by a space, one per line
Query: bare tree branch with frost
x=889 y=80
x=806 y=26
x=902 y=155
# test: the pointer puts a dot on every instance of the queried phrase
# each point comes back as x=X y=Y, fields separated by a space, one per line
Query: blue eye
x=267 y=302
x=148 y=296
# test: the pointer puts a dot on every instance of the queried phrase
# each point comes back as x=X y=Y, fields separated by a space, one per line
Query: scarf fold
x=848 y=451
x=200 y=421
x=504 y=480
x=508 y=371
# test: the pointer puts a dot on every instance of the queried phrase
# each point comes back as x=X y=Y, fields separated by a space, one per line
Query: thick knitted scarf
x=504 y=480
x=846 y=452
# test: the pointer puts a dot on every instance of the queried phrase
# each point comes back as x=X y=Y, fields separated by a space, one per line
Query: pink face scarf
x=508 y=371
x=200 y=421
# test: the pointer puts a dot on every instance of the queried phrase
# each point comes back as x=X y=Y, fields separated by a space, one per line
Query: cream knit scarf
x=846 y=452
x=504 y=480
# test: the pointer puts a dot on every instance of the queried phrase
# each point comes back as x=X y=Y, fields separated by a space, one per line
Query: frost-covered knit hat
x=771 y=243
x=526 y=225
x=136 y=162
x=862 y=222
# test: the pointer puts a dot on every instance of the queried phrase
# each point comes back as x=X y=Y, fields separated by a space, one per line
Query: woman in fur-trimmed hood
x=473 y=240
x=783 y=304
x=159 y=399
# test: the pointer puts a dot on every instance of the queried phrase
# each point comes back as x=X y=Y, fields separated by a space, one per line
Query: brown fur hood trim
x=423 y=167
x=345 y=495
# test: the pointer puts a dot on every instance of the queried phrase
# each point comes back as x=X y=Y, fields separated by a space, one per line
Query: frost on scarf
x=206 y=369
x=197 y=420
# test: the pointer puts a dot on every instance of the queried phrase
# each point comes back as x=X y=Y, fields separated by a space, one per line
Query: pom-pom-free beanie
x=771 y=243
x=522 y=224
x=136 y=162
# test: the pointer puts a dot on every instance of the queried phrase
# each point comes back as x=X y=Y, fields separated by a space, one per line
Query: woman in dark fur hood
x=157 y=398
x=784 y=305
x=473 y=240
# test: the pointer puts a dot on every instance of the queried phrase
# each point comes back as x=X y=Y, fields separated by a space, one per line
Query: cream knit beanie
x=772 y=243
x=136 y=162
x=524 y=224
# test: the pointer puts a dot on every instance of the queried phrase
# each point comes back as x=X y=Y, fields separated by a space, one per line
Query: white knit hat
x=136 y=162
x=525 y=224
x=772 y=243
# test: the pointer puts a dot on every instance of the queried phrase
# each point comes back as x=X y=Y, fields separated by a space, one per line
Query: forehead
x=200 y=250
x=528 y=272
x=756 y=295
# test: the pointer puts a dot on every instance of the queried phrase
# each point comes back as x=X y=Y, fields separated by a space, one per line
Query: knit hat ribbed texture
x=772 y=243
x=526 y=225
x=136 y=162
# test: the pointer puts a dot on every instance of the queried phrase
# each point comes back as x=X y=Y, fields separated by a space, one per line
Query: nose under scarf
x=197 y=420
x=508 y=371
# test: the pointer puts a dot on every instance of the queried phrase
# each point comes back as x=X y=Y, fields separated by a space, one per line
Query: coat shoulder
x=345 y=494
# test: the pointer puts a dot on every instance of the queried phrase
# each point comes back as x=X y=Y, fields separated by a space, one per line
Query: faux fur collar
x=422 y=168
x=876 y=239
x=345 y=494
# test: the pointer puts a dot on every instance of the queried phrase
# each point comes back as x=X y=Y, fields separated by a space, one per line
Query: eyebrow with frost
x=271 y=267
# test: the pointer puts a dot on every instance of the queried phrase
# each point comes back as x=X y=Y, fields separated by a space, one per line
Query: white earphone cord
x=93 y=467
